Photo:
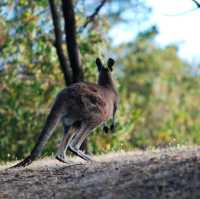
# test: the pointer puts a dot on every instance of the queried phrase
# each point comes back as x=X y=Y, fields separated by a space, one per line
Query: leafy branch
x=91 y=18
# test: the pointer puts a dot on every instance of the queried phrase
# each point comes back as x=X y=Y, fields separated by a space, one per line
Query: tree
x=30 y=74
x=73 y=71
x=160 y=94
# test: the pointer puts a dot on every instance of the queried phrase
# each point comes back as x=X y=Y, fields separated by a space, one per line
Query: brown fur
x=82 y=106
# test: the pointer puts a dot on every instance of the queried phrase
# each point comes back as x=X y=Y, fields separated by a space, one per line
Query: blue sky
x=183 y=29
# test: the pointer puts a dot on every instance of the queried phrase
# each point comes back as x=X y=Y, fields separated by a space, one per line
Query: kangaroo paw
x=105 y=129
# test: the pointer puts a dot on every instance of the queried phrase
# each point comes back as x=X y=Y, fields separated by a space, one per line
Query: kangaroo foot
x=62 y=158
x=81 y=154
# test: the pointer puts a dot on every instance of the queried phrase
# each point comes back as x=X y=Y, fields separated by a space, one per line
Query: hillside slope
x=167 y=173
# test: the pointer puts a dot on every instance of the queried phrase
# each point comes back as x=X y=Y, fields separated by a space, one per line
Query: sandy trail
x=167 y=173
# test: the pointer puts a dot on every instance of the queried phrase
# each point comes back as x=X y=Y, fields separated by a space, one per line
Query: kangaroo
x=81 y=107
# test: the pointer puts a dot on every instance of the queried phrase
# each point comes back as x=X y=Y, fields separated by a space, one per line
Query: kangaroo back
x=80 y=102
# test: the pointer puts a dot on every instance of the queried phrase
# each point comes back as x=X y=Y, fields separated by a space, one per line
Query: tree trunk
x=73 y=71
x=70 y=35
x=64 y=65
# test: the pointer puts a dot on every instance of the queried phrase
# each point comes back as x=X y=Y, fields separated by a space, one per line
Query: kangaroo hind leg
x=78 y=139
x=68 y=135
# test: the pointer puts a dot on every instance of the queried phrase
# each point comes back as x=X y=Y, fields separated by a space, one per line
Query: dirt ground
x=156 y=174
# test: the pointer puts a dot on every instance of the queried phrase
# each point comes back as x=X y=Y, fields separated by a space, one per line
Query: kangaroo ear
x=110 y=63
x=99 y=64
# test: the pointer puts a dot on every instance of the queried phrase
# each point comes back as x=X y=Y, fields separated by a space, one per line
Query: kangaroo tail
x=53 y=119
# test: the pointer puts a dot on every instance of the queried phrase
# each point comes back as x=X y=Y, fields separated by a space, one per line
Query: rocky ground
x=156 y=174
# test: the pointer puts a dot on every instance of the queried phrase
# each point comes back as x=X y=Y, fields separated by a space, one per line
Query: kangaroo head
x=105 y=76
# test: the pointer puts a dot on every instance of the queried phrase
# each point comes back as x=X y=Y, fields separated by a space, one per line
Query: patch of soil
x=168 y=173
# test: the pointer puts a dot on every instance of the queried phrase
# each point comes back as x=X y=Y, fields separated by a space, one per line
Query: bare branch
x=197 y=3
x=185 y=12
x=181 y=13
x=92 y=16
x=58 y=43
x=72 y=47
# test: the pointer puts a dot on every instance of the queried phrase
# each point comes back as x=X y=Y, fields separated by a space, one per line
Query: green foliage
x=163 y=89
x=159 y=98
x=159 y=92
x=31 y=76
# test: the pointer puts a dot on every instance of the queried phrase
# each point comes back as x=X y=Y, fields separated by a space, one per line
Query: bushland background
x=159 y=91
